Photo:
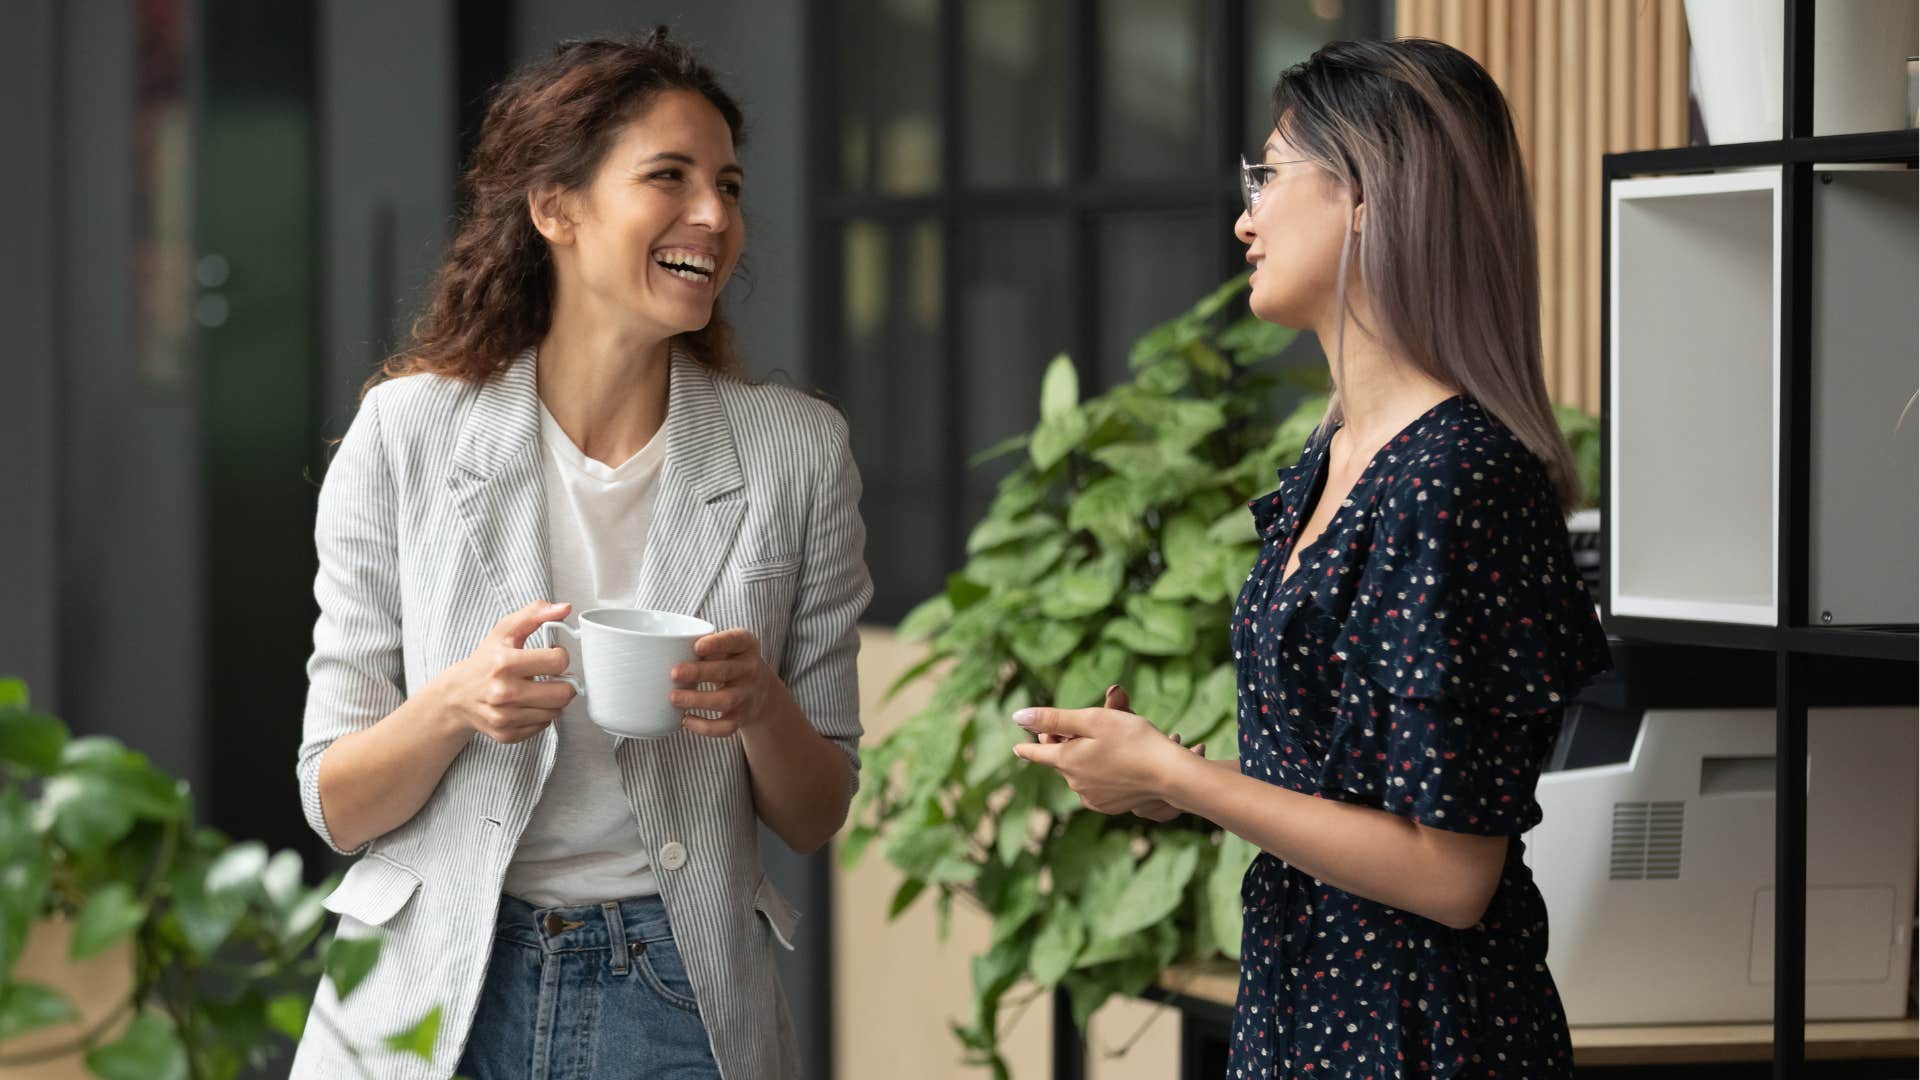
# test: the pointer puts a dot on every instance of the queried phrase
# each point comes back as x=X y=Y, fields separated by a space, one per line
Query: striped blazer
x=430 y=529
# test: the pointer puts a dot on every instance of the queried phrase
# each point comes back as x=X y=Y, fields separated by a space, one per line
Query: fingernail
x=1024 y=718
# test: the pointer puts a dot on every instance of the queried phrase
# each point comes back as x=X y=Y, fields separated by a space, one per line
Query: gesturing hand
x=1115 y=761
x=725 y=686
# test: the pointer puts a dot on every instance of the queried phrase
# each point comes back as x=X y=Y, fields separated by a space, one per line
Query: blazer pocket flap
x=779 y=914
x=374 y=890
x=772 y=567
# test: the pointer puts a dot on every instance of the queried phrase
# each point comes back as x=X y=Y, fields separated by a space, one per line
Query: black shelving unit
x=1797 y=644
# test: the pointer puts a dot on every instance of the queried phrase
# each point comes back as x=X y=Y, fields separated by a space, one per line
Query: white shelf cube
x=1694 y=379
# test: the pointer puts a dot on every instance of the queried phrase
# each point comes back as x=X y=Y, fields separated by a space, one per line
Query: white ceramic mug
x=620 y=662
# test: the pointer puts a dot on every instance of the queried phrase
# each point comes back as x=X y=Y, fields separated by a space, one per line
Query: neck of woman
x=605 y=385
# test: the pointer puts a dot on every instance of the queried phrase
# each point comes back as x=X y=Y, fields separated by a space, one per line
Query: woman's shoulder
x=780 y=425
x=419 y=400
x=1461 y=453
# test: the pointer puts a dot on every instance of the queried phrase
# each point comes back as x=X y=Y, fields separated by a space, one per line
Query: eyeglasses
x=1255 y=178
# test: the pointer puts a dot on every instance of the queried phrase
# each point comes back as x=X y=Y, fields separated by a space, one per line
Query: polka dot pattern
x=1418 y=661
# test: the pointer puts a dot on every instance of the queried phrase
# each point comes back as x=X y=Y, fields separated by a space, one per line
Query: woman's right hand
x=493 y=691
x=1156 y=809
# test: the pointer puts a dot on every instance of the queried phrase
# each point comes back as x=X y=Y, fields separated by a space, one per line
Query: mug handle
x=578 y=682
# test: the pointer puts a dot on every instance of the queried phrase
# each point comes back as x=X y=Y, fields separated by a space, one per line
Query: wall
x=387 y=130
x=29 y=499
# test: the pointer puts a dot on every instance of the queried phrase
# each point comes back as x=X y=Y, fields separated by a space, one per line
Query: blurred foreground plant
x=226 y=938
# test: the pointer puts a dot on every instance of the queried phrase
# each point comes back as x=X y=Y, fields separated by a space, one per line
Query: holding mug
x=621 y=658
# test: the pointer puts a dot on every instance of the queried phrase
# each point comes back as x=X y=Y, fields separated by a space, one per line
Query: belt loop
x=616 y=935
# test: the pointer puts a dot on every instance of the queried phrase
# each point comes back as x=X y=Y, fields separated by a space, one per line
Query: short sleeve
x=1469 y=632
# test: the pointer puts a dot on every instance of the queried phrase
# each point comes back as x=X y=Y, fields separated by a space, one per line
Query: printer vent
x=1647 y=840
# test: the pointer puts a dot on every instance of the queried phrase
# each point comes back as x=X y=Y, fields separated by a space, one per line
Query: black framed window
x=996 y=182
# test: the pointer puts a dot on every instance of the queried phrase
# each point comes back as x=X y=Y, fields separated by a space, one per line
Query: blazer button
x=673 y=856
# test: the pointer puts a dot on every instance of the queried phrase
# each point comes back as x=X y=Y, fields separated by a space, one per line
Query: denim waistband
x=588 y=927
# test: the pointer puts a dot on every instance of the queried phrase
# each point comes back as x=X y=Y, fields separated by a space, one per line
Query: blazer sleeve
x=355 y=676
x=819 y=668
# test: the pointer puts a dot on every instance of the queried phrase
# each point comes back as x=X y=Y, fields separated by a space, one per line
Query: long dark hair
x=1421 y=133
x=550 y=124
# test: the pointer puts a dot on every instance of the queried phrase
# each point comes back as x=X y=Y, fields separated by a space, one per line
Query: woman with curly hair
x=569 y=430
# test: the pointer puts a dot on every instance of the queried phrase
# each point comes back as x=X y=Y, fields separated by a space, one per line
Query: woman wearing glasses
x=1414 y=626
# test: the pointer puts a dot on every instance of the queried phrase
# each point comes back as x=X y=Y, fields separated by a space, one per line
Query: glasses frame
x=1255 y=178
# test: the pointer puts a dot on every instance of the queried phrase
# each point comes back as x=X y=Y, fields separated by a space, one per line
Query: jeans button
x=554 y=924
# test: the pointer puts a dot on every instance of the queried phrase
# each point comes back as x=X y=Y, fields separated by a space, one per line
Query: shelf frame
x=1795 y=643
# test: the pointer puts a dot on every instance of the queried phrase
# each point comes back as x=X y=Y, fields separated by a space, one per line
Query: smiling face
x=654 y=237
x=1293 y=237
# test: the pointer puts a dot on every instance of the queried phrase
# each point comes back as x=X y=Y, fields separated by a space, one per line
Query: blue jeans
x=586 y=993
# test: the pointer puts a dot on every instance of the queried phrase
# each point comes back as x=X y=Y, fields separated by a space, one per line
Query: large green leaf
x=1089 y=674
x=135 y=785
x=1082 y=590
x=1214 y=703
x=13 y=693
x=933 y=852
x=1216 y=301
x=1015 y=823
x=205 y=919
x=287 y=1014
x=149 y=1050
x=31 y=740
x=1042 y=643
x=994 y=532
x=1017 y=564
x=281 y=879
x=418 y=1040
x=238 y=869
x=1150 y=894
x=112 y=914
x=1153 y=627
x=1055 y=438
x=348 y=961
x=926 y=618
x=26 y=1006
x=1057 y=944
x=1161 y=692
x=1252 y=339
x=1082 y=844
x=904 y=896
x=84 y=811
x=1223 y=891
x=1111 y=508
x=1059 y=388
x=994 y=737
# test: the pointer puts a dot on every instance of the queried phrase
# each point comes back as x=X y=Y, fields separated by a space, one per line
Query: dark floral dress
x=1418 y=662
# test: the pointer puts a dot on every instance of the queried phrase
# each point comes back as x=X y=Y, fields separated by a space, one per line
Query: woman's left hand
x=727 y=681
x=1115 y=761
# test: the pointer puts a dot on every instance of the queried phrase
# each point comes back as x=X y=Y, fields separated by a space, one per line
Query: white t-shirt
x=582 y=845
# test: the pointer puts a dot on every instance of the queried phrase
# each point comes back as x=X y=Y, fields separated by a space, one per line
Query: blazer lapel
x=496 y=486
x=698 y=509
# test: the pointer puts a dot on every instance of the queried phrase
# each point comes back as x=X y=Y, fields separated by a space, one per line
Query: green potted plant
x=223 y=938
x=1112 y=553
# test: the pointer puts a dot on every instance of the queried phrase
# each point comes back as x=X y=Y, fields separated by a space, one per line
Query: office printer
x=1656 y=851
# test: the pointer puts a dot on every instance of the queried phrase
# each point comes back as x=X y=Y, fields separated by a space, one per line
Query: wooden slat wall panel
x=1582 y=79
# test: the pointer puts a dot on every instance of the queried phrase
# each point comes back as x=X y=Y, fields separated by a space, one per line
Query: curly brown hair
x=550 y=124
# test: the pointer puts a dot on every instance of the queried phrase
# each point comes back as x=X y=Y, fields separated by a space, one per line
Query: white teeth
x=694 y=259
x=689 y=275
